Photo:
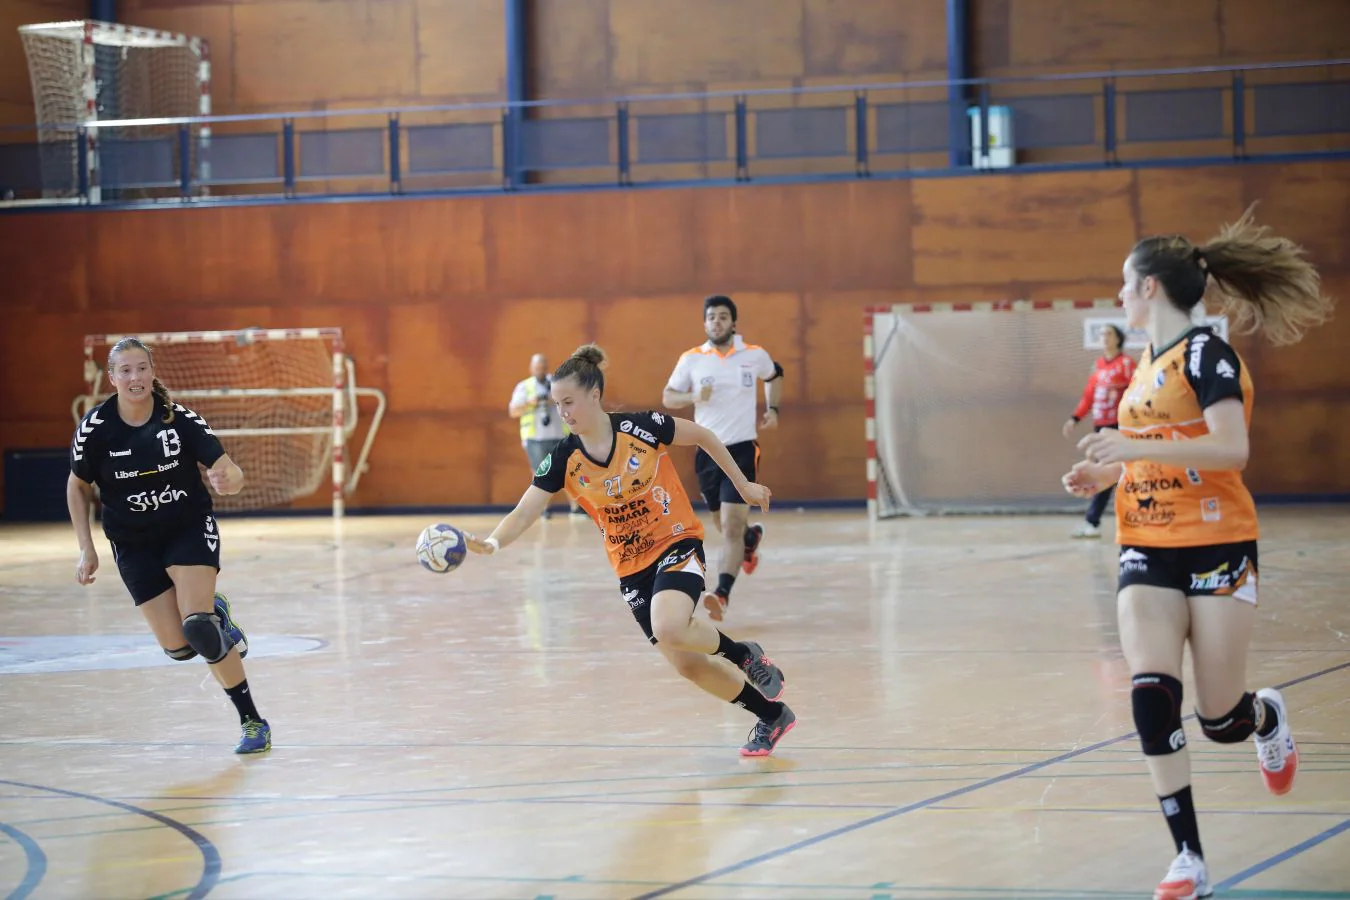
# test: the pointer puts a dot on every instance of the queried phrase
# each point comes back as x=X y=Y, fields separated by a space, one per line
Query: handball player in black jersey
x=142 y=450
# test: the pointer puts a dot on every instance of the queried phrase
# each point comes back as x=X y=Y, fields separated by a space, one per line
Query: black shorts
x=143 y=562
x=679 y=569
x=1219 y=569
x=714 y=484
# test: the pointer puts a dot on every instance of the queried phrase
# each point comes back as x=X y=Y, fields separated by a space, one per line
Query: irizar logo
x=1218 y=579
x=627 y=427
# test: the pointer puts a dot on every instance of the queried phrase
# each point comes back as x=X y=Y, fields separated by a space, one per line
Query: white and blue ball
x=441 y=548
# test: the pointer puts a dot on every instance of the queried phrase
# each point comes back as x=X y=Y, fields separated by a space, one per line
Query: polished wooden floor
x=505 y=731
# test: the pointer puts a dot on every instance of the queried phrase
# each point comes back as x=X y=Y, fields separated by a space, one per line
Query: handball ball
x=441 y=548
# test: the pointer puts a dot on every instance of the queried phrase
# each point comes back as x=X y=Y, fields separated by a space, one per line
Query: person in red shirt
x=1110 y=377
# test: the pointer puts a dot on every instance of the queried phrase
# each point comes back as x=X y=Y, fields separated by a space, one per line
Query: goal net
x=966 y=402
x=283 y=402
x=86 y=72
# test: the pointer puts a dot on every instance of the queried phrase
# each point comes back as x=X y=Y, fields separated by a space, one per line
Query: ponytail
x=1267 y=282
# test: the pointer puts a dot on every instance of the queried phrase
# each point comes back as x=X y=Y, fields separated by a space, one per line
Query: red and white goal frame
x=66 y=84
x=964 y=411
x=316 y=367
x=870 y=314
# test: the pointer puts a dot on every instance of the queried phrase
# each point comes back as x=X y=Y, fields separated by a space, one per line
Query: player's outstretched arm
x=226 y=477
x=80 y=500
x=689 y=433
x=531 y=506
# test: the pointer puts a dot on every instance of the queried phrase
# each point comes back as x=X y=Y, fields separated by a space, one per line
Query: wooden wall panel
x=443 y=300
x=853 y=233
x=572 y=244
x=602 y=48
x=461 y=48
x=656 y=42
x=315 y=54
x=570 y=54
x=301 y=51
x=1194 y=202
x=1012 y=36
x=996 y=229
x=16 y=88
x=1309 y=29
x=874 y=37
x=1139 y=33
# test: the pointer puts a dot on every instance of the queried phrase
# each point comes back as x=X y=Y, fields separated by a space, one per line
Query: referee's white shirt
x=731 y=411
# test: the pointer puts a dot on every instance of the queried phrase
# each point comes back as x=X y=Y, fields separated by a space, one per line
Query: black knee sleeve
x=1156 y=700
x=1234 y=727
x=204 y=634
x=181 y=654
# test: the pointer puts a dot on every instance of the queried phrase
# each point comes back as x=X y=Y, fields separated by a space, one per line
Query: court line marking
x=923 y=804
x=210 y=855
x=616 y=798
x=35 y=868
x=1271 y=862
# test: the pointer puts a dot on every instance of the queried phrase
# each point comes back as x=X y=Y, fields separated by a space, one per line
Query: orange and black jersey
x=635 y=495
x=1167 y=506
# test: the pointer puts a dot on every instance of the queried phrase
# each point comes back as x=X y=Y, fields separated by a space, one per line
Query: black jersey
x=147 y=474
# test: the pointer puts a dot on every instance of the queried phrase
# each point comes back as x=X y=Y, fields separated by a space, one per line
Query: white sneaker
x=1087 y=530
x=1186 y=880
x=1278 y=753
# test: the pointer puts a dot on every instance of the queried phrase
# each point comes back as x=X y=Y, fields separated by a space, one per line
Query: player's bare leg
x=1154 y=623
x=207 y=633
x=738 y=673
x=1221 y=632
x=731 y=519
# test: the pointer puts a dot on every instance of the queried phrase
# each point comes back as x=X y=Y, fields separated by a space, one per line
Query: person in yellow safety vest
x=540 y=426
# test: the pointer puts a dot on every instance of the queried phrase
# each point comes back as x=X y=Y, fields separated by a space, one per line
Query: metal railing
x=1085 y=120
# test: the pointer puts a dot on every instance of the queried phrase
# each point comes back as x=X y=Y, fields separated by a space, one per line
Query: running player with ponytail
x=1186 y=523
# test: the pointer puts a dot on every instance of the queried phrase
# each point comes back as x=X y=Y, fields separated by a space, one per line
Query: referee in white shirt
x=720 y=378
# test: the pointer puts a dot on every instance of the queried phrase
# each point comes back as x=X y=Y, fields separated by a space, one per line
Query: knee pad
x=1235 y=726
x=204 y=634
x=182 y=654
x=1156 y=700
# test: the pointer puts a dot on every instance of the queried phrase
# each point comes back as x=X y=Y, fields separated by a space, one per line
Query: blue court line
x=1263 y=865
x=923 y=804
x=210 y=855
x=36 y=867
x=602 y=799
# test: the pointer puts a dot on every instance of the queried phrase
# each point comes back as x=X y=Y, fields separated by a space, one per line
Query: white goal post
x=282 y=400
x=965 y=402
x=84 y=72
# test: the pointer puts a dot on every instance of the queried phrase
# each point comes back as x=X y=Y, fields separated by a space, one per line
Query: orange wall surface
x=16 y=91
x=444 y=300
